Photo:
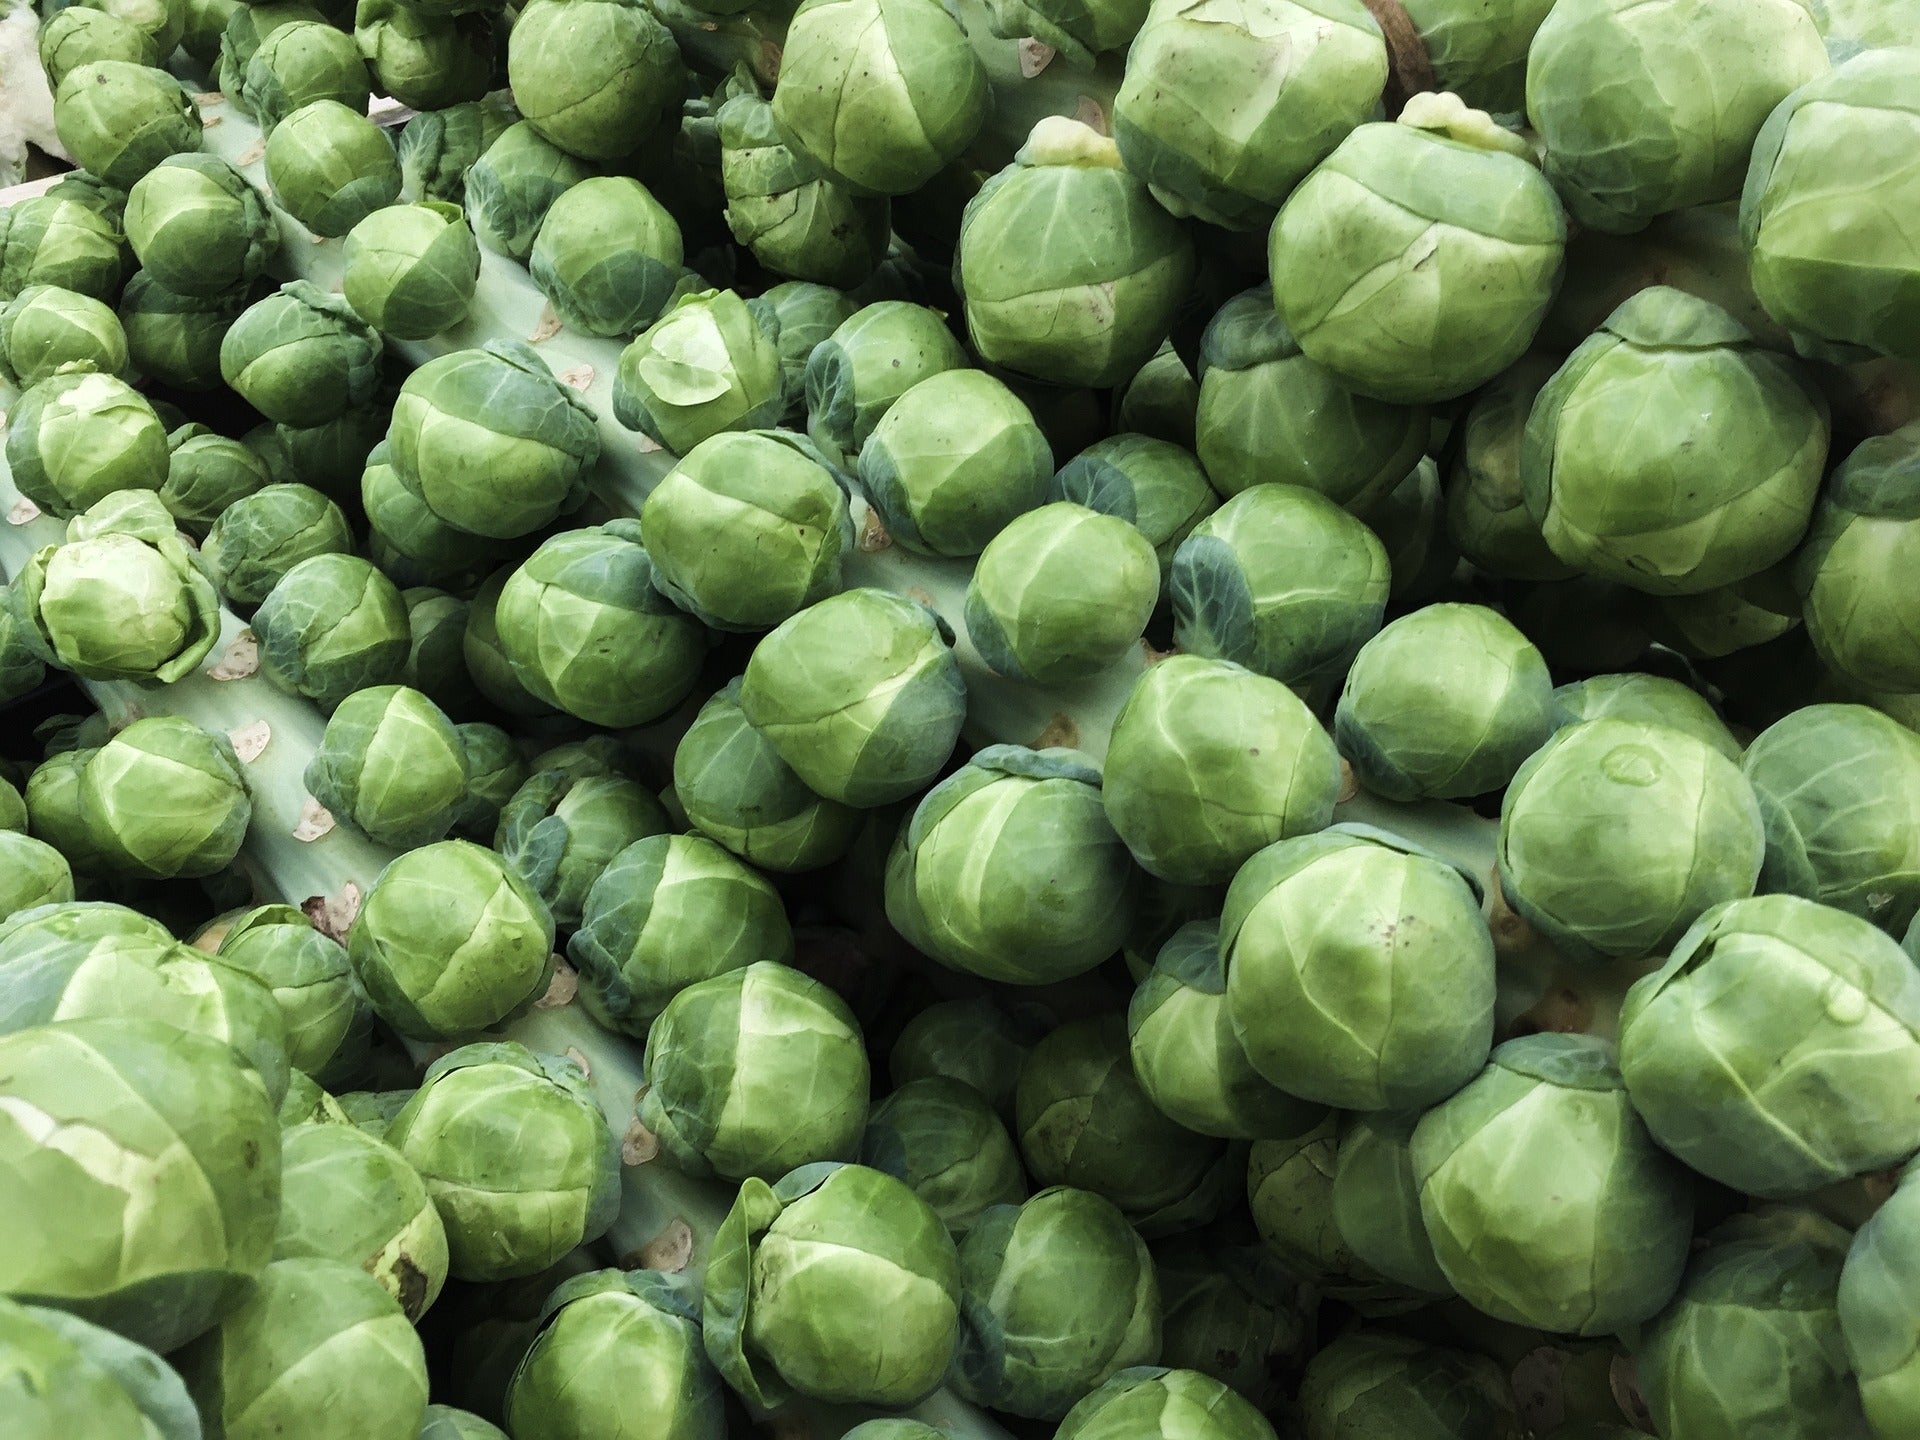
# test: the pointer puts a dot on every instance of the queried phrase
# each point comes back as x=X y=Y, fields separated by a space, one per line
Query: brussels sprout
x=79 y=436
x=438 y=146
x=411 y=269
x=206 y=475
x=301 y=356
x=893 y=1427
x=1487 y=517
x=443 y=1422
x=597 y=78
x=436 y=655
x=941 y=1136
x=1647 y=700
x=72 y=37
x=29 y=935
x=974 y=1041
x=1155 y=486
x=880 y=94
x=1479 y=52
x=873 y=358
x=165 y=799
x=487 y=662
x=206 y=22
x=330 y=167
x=496 y=444
x=808 y=315
x=261 y=537
x=1376 y=1201
x=185 y=1115
x=510 y=188
x=608 y=255
x=1160 y=400
x=708 y=364
x=176 y=339
x=1616 y=835
x=69 y=237
x=52 y=799
x=1444 y=703
x=1878 y=1321
x=44 y=327
x=1608 y=1252
x=245 y=30
x=118 y=120
x=1281 y=580
x=1407 y=521
x=560 y=830
x=495 y=771
x=1370 y=1382
x=425 y=61
x=1448 y=288
x=795 y=220
x=309 y=978
x=1862 y=625
x=330 y=626
x=65 y=1376
x=299 y=63
x=1719 y=622
x=373 y=1111
x=21 y=668
x=391 y=765
x=1078 y=29
x=838 y=1283
x=32 y=873
x=1151 y=1400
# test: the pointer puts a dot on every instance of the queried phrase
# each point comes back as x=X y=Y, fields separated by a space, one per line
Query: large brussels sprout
x=71 y=37
x=118 y=120
x=1878 y=1319
x=32 y=874
x=1866 y=531
x=407 y=540
x=79 y=436
x=597 y=78
x=45 y=327
x=438 y=146
x=1151 y=1400
x=513 y=184
x=942 y=1137
x=1160 y=400
x=1647 y=700
x=838 y=1283
x=808 y=316
x=607 y=255
x=1420 y=258
x=708 y=364
x=426 y=59
x=299 y=63
x=176 y=339
x=608 y=1342
x=795 y=220
x=332 y=625
x=1616 y=835
x=331 y=167
x=436 y=656
x=65 y=1376
x=874 y=357
x=974 y=1041
x=410 y=269
x=1487 y=517
x=70 y=236
x=1376 y=1201
x=1154 y=485
x=561 y=829
x=309 y=977
x=1371 y=1382
x=1010 y=869
x=52 y=797
x=260 y=537
x=880 y=94
x=301 y=356
x=164 y=800
x=1479 y=52
x=173 y=1232
x=1607 y=1251
x=207 y=473
x=516 y=1155
x=391 y=765
x=244 y=31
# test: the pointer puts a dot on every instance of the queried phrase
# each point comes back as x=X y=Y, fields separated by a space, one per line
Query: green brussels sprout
x=78 y=34
x=1408 y=523
x=1281 y=580
x=391 y=765
x=443 y=1422
x=1268 y=414
x=808 y=316
x=331 y=625
x=1444 y=703
x=260 y=537
x=497 y=445
x=875 y=356
x=411 y=269
x=942 y=1137
x=65 y=1376
x=1646 y=109
x=1861 y=623
x=164 y=800
x=516 y=1155
x=21 y=669
x=350 y=1197
x=373 y=1111
x=561 y=829
x=795 y=220
x=44 y=328
x=53 y=926
x=748 y=529
x=1720 y=622
x=860 y=694
x=1051 y=295
x=838 y=1283
x=1061 y=593
x=330 y=167
x=242 y=35
x=1646 y=700
x=1376 y=1201
x=1056 y=1295
x=1487 y=518
x=299 y=63
x=495 y=771
x=301 y=356
x=207 y=474
x=952 y=461
x=1231 y=1312
x=32 y=873
x=1082 y=1119
x=436 y=655
x=708 y=364
x=206 y=23
x=1813 y=159
x=973 y=1041
x=1450 y=283
x=1290 y=1194
x=1186 y=1055
x=78 y=436
x=52 y=798
x=162 y=1261
x=69 y=237
x=1371 y=1382
x=487 y=662
x=893 y=1427
x=1225 y=113
x=438 y=146
x=199 y=227
x=607 y=255
x=1154 y=485
x=310 y=979
x=1616 y=835
x=450 y=942
x=1160 y=400
x=425 y=61
x=118 y=120
x=176 y=339
x=1010 y=869
x=1152 y=1400
x=406 y=539
x=1878 y=1321
x=1479 y=52
x=1081 y=30
x=1753 y=1334
x=597 y=1334
x=598 y=78
x=513 y=184
x=1549 y=1115
x=667 y=912
x=880 y=94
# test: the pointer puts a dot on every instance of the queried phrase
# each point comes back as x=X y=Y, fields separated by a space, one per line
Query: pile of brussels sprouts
x=963 y=720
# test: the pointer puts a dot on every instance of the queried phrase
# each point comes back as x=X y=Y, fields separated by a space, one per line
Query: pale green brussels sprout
x=837 y=1283
x=68 y=1377
x=973 y=1041
x=1616 y=835
x=516 y=1155
x=45 y=327
x=165 y=800
x=309 y=977
x=297 y=64
x=425 y=61
x=606 y=1340
x=1878 y=1319
x=1160 y=400
x=1479 y=51
x=755 y=1072
x=21 y=669
x=243 y=33
x=1720 y=622
x=52 y=926
x=438 y=146
x=748 y=529
x=795 y=220
x=52 y=796
x=1082 y=1119
x=1865 y=532
x=32 y=873
x=390 y=765
x=207 y=474
x=443 y=1422
x=1753 y=1336
x=182 y=1115
x=407 y=540
x=411 y=269
x=1371 y=1382
x=79 y=436
x=1487 y=517
x=942 y=1137
x=1290 y=1194
x=880 y=94
x=487 y=662
x=330 y=626
x=1642 y=109
x=495 y=772
x=118 y=120
x=69 y=237
x=667 y=912
x=301 y=356
x=1152 y=1402
x=72 y=37
x=808 y=315
x=1186 y=1055
x=709 y=363
x=1376 y=1201
x=607 y=255
x=162 y=22
x=1768 y=1009
x=436 y=655
x=450 y=942
x=260 y=537
x=1418 y=261
x=1444 y=703
x=1646 y=700
x=330 y=167
x=598 y=78
x=206 y=23
x=563 y=827
x=1061 y=593
x=1267 y=414
x=1813 y=179
x=860 y=694
x=373 y=1111
x=876 y=355
x=1225 y=108
x=1154 y=485
x=319 y=1347
x=349 y=1196
x=1010 y=869
x=1550 y=1113
x=1281 y=580
x=1081 y=30
x=13 y=807
x=1232 y=1312
x=513 y=184
x=174 y=338
x=497 y=445
x=1056 y=1295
